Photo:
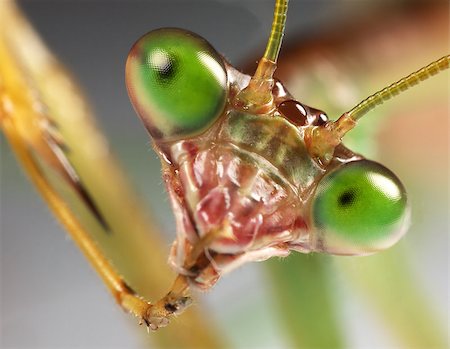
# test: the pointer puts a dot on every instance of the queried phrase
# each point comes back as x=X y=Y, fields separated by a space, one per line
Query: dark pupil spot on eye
x=167 y=70
x=347 y=198
x=164 y=64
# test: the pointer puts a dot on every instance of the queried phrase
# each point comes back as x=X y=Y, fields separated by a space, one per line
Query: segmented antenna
x=401 y=85
x=321 y=141
x=277 y=32
x=257 y=96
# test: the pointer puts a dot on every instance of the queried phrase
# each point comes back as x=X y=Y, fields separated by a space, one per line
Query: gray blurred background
x=50 y=297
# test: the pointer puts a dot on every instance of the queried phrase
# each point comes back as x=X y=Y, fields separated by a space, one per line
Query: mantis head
x=188 y=96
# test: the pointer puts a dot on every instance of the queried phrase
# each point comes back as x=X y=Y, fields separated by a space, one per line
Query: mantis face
x=244 y=180
x=251 y=172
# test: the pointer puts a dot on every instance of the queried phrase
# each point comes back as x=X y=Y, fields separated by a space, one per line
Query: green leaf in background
x=304 y=292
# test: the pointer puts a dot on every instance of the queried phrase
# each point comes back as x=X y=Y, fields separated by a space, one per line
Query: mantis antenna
x=257 y=96
x=277 y=32
x=322 y=141
x=399 y=86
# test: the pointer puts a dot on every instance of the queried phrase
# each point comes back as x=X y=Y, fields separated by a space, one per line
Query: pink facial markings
x=228 y=192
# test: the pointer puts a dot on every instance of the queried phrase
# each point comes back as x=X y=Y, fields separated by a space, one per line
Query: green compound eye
x=177 y=82
x=359 y=208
